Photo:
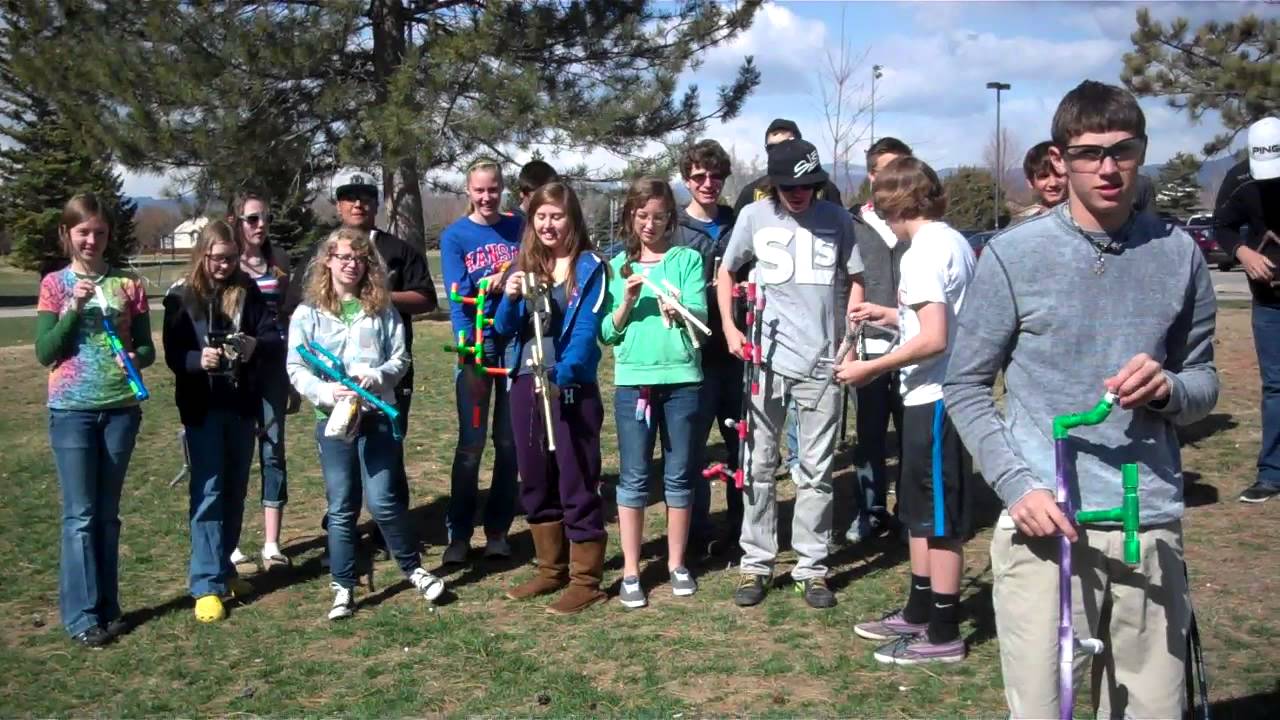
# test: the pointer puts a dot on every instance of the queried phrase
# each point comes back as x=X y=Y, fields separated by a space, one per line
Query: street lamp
x=999 y=170
x=875 y=75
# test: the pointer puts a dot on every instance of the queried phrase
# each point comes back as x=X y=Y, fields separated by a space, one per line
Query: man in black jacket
x=1250 y=195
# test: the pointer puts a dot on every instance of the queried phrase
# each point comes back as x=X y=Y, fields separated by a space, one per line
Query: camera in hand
x=232 y=347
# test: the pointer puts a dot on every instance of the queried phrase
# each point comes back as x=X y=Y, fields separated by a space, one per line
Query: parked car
x=1200 y=228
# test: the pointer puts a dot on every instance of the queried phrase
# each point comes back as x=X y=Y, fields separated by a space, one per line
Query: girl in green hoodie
x=657 y=373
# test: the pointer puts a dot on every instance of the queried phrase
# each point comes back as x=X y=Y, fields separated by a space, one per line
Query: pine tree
x=1232 y=67
x=47 y=164
x=409 y=87
x=1178 y=187
x=969 y=205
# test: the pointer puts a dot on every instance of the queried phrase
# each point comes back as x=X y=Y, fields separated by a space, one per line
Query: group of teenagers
x=1087 y=297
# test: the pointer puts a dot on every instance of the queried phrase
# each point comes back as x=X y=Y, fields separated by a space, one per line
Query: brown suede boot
x=553 y=562
x=586 y=569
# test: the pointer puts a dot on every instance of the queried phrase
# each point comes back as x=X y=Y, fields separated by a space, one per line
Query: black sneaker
x=751 y=590
x=816 y=593
x=1259 y=493
x=95 y=637
x=118 y=627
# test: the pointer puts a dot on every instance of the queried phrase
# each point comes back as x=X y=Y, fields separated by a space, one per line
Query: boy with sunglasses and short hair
x=704 y=225
x=1088 y=298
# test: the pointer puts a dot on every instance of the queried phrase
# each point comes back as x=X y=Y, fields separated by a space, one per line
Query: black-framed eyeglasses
x=1089 y=158
x=256 y=219
x=221 y=259
x=346 y=259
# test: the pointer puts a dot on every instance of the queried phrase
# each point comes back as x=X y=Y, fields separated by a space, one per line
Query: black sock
x=944 y=618
x=919 y=599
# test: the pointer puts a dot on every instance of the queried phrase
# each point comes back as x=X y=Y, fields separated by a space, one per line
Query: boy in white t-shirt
x=933 y=498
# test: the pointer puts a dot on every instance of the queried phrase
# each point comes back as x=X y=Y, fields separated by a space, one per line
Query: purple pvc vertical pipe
x=1066 y=635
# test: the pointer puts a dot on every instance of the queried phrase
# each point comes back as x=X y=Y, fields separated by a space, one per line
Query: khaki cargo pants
x=1141 y=613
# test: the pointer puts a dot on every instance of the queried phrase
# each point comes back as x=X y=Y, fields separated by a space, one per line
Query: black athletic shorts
x=935 y=498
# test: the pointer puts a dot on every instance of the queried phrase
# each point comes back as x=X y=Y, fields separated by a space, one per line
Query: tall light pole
x=875 y=75
x=999 y=169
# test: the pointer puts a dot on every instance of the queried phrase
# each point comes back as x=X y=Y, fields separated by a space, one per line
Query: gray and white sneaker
x=632 y=595
x=344 y=602
x=682 y=582
x=429 y=585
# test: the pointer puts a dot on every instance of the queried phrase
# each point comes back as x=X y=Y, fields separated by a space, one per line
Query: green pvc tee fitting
x=1126 y=514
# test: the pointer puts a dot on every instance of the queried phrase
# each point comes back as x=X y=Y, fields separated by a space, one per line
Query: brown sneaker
x=553 y=562
x=586 y=569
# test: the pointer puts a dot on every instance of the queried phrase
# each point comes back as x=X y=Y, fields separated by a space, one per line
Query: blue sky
x=937 y=58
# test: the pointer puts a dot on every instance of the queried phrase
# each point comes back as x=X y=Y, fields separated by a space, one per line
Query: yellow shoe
x=239 y=588
x=209 y=609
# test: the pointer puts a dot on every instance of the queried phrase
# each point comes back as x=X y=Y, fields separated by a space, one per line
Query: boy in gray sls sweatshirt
x=1088 y=298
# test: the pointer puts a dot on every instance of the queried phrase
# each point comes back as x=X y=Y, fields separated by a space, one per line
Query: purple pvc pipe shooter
x=1066 y=633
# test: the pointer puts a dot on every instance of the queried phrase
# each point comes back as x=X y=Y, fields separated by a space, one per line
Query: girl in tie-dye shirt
x=93 y=414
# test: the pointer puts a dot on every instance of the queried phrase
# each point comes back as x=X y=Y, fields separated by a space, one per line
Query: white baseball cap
x=1264 y=149
x=352 y=178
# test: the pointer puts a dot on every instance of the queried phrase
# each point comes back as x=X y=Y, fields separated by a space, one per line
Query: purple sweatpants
x=564 y=486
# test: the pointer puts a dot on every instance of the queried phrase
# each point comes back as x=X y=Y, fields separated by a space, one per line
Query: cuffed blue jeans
x=91 y=450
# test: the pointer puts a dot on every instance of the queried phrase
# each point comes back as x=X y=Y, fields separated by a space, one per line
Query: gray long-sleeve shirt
x=1037 y=310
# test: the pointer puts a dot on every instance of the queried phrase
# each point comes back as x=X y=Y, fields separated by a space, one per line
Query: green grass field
x=478 y=654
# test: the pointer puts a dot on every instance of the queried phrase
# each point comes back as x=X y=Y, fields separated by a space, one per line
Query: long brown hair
x=235 y=209
x=536 y=258
x=200 y=285
x=318 y=289
x=641 y=192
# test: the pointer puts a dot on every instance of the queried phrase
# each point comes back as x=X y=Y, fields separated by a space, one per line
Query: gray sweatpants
x=811 y=525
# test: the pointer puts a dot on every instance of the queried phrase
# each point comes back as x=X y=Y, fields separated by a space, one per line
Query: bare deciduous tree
x=845 y=105
x=1010 y=157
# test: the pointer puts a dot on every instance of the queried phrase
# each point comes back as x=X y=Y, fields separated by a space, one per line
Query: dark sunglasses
x=699 y=178
x=256 y=219
x=367 y=198
x=1089 y=158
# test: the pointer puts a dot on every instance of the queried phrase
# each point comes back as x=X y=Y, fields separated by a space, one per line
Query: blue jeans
x=91 y=450
x=464 y=478
x=271 y=455
x=221 y=455
x=674 y=411
x=368 y=466
x=1266 y=340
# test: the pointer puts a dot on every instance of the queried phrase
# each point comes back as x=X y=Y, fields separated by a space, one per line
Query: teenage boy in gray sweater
x=1091 y=297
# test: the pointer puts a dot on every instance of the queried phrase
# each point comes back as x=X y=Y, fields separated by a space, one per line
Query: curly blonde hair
x=373 y=293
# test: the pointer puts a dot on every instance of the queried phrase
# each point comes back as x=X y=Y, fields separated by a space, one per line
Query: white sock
x=270 y=550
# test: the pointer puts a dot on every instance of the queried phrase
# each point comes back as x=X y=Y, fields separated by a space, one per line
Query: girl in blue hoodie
x=560 y=492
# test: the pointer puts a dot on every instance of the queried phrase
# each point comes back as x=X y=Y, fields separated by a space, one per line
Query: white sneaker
x=497 y=547
x=429 y=585
x=456 y=553
x=239 y=558
x=344 y=602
